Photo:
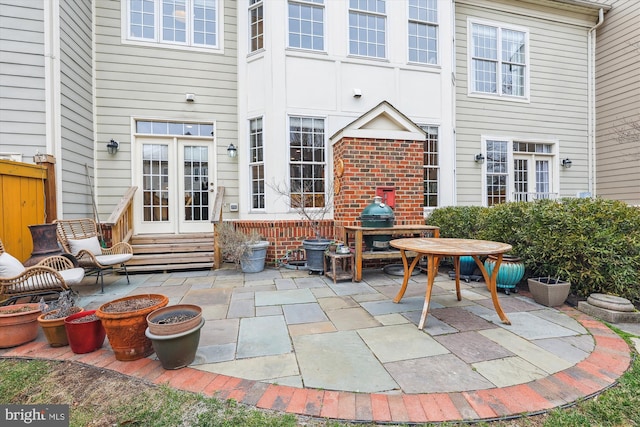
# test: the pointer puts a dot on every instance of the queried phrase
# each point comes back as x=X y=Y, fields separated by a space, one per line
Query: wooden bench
x=358 y=232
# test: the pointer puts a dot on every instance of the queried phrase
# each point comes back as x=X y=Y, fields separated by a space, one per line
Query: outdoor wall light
x=232 y=151
x=112 y=146
x=479 y=158
x=566 y=163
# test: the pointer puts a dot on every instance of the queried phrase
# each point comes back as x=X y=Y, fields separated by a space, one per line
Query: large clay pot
x=84 y=336
x=54 y=329
x=18 y=324
x=178 y=350
x=174 y=319
x=125 y=329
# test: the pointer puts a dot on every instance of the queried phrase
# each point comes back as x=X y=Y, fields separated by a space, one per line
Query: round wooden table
x=436 y=248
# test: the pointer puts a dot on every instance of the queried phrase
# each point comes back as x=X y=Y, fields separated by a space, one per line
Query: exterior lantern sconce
x=566 y=163
x=112 y=147
x=479 y=158
x=232 y=151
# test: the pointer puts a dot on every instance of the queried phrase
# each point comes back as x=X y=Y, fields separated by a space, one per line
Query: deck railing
x=519 y=196
x=120 y=223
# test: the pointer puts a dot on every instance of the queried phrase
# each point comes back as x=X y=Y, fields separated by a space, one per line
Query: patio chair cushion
x=91 y=244
x=72 y=276
x=115 y=259
x=10 y=266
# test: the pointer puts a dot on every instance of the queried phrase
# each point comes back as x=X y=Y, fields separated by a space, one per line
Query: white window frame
x=313 y=5
x=255 y=5
x=428 y=24
x=253 y=163
x=357 y=11
x=552 y=156
x=324 y=163
x=432 y=130
x=157 y=40
x=500 y=27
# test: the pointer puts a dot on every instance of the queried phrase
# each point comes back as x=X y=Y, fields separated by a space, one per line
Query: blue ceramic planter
x=510 y=273
x=467 y=265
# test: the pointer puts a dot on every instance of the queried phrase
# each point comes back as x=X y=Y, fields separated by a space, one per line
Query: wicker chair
x=49 y=277
x=79 y=237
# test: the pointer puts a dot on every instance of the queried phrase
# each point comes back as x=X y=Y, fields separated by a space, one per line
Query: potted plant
x=53 y=315
x=125 y=321
x=85 y=332
x=549 y=291
x=174 y=332
x=18 y=324
x=247 y=251
x=510 y=272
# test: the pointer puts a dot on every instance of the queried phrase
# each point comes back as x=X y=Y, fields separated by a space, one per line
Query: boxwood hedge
x=592 y=242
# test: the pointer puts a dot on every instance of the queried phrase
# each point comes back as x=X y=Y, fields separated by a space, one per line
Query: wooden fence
x=27 y=196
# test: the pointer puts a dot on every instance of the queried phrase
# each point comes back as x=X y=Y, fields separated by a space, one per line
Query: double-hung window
x=307 y=162
x=256 y=163
x=256 y=25
x=192 y=23
x=431 y=171
x=498 y=60
x=423 y=31
x=367 y=28
x=306 y=24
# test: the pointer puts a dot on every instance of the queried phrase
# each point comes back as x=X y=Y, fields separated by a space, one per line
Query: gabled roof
x=384 y=121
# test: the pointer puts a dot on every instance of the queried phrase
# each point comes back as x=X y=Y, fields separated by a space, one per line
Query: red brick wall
x=372 y=163
x=284 y=235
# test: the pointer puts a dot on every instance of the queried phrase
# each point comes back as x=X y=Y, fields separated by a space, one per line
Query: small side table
x=341 y=270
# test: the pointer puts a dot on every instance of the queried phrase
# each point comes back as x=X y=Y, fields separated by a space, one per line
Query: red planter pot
x=84 y=337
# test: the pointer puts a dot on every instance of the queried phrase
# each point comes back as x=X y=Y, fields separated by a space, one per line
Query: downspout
x=591 y=101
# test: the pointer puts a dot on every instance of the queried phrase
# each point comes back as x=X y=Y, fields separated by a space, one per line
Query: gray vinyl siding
x=557 y=107
x=76 y=106
x=22 y=78
x=618 y=102
x=134 y=81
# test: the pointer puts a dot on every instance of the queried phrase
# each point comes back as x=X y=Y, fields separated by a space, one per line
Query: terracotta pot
x=84 y=337
x=54 y=328
x=125 y=330
x=18 y=328
x=178 y=350
x=158 y=324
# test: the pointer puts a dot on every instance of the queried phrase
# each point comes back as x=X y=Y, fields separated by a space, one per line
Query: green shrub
x=594 y=243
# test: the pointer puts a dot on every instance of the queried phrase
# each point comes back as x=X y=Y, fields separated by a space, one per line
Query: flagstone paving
x=289 y=341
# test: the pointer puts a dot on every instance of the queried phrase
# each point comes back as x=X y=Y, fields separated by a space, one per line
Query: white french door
x=532 y=177
x=175 y=184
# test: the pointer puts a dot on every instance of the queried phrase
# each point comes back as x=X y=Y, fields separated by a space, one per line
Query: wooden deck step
x=171 y=252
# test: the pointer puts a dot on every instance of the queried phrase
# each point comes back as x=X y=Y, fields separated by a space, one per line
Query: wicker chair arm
x=118 y=248
x=33 y=279
x=57 y=262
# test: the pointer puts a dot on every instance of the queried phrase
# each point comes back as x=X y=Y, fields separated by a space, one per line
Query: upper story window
x=306 y=24
x=307 y=162
x=423 y=31
x=498 y=60
x=367 y=28
x=176 y=22
x=256 y=25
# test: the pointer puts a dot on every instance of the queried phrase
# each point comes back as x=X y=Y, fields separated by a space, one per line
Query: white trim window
x=192 y=23
x=306 y=24
x=498 y=60
x=423 y=31
x=367 y=28
x=256 y=25
x=519 y=171
x=307 y=162
x=256 y=163
x=431 y=174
